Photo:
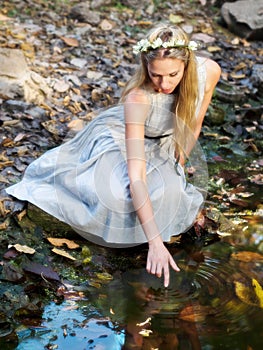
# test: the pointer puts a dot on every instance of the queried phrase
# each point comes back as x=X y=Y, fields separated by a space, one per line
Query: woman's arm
x=136 y=109
x=213 y=72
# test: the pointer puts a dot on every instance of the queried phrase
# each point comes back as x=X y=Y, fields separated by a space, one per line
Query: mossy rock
x=48 y=222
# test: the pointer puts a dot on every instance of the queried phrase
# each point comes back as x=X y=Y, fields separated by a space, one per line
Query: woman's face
x=166 y=74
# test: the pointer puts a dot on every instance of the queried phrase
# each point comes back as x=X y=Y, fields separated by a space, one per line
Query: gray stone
x=98 y=3
x=257 y=77
x=244 y=18
x=135 y=4
x=83 y=13
x=18 y=81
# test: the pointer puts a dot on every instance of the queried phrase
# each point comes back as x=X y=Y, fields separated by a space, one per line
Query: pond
x=215 y=302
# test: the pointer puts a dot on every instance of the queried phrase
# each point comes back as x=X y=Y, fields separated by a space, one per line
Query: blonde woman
x=120 y=181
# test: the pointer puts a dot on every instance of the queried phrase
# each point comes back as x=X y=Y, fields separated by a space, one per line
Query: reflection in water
x=199 y=310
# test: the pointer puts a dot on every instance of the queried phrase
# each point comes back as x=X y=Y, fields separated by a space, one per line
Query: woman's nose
x=164 y=83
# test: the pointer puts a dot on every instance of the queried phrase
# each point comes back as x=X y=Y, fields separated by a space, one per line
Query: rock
x=83 y=13
x=230 y=93
x=215 y=115
x=98 y=3
x=18 y=81
x=257 y=77
x=135 y=4
x=244 y=18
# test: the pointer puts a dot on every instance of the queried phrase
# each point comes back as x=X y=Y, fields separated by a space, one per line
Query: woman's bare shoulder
x=213 y=72
x=137 y=95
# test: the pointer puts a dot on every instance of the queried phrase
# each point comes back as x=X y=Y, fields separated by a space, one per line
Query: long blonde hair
x=187 y=91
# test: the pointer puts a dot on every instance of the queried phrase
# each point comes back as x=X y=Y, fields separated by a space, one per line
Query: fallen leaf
x=194 y=313
x=213 y=49
x=43 y=271
x=175 y=19
x=104 y=276
x=148 y=321
x=22 y=248
x=21 y=215
x=63 y=253
x=145 y=332
x=246 y=256
x=258 y=291
x=249 y=295
x=70 y=41
x=59 y=242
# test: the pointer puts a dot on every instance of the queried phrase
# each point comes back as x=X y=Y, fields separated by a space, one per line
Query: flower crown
x=145 y=45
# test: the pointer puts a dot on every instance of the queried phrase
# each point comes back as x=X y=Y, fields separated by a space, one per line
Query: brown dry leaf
x=4 y=225
x=63 y=253
x=58 y=242
x=213 y=49
x=28 y=50
x=22 y=248
x=237 y=76
x=21 y=215
x=70 y=41
x=246 y=256
x=194 y=313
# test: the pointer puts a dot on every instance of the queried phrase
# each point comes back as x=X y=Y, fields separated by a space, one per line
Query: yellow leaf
x=175 y=19
x=246 y=294
x=62 y=253
x=104 y=276
x=258 y=291
x=58 y=242
x=22 y=248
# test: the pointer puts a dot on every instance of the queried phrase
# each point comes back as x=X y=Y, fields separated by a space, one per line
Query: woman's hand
x=159 y=260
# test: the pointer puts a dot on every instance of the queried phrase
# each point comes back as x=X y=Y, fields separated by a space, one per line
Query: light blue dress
x=84 y=182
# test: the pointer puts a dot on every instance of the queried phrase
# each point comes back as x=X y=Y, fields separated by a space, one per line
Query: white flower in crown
x=192 y=45
x=174 y=43
x=144 y=45
x=157 y=43
x=141 y=46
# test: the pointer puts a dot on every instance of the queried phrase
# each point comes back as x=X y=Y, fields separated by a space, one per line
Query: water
x=211 y=304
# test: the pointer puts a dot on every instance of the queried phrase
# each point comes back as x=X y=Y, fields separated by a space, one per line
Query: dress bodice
x=160 y=119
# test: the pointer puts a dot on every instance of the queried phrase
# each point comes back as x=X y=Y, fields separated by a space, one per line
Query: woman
x=120 y=181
